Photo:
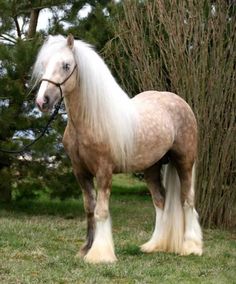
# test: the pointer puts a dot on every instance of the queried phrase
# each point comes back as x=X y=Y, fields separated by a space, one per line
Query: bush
x=188 y=47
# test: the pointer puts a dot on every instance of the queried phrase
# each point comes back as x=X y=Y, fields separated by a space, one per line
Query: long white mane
x=106 y=108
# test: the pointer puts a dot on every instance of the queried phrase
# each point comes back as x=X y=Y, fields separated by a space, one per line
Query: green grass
x=39 y=241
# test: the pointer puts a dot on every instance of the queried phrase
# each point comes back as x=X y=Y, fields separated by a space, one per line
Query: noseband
x=60 y=84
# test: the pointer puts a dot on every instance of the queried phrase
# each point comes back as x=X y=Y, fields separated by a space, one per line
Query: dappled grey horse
x=107 y=132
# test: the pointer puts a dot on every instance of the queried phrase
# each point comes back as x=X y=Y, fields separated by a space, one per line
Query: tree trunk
x=34 y=15
x=5 y=185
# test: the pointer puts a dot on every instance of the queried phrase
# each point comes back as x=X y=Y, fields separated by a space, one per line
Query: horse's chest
x=82 y=148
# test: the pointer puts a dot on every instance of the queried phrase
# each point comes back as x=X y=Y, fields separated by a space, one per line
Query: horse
x=108 y=132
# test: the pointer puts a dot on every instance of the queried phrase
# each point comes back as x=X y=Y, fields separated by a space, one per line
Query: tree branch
x=7 y=38
x=17 y=26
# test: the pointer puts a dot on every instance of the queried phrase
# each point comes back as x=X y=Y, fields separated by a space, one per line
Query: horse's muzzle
x=43 y=104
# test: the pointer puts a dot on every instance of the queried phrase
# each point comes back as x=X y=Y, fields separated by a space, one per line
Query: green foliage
x=44 y=169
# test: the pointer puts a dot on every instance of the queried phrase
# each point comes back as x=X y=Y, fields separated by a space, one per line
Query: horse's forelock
x=52 y=45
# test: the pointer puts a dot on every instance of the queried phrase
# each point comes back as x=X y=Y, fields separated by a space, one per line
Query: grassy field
x=39 y=240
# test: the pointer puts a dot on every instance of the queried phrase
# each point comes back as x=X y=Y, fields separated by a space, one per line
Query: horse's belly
x=149 y=151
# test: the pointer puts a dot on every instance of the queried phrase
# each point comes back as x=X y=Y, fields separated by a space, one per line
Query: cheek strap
x=59 y=84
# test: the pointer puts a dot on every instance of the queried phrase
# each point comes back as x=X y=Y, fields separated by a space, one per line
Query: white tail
x=177 y=228
x=169 y=228
x=173 y=216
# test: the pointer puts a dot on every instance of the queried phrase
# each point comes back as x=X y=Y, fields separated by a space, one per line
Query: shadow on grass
x=142 y=191
x=128 y=189
x=68 y=209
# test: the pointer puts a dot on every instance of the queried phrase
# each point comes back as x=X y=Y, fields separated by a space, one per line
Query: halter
x=60 y=84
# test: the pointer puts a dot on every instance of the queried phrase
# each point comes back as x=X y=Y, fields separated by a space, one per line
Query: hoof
x=148 y=247
x=83 y=250
x=81 y=253
x=191 y=247
x=100 y=256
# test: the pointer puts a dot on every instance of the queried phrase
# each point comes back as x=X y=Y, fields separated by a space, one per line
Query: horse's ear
x=70 y=41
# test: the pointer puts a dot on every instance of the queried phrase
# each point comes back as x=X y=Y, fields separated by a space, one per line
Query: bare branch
x=17 y=26
x=7 y=37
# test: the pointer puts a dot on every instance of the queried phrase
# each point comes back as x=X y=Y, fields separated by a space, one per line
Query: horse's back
x=161 y=101
x=165 y=105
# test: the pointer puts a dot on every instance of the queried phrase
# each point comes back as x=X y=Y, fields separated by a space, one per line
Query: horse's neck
x=75 y=122
x=73 y=109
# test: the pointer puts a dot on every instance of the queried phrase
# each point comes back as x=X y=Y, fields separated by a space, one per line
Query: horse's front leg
x=85 y=180
x=89 y=198
x=102 y=250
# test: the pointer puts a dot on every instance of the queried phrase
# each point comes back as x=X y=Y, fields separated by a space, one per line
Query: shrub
x=188 y=47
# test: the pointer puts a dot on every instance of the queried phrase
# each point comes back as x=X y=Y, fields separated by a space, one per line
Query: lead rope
x=24 y=148
x=52 y=117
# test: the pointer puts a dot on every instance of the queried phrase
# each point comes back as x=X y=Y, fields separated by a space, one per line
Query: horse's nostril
x=46 y=100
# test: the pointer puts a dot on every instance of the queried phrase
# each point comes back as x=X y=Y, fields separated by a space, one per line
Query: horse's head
x=58 y=76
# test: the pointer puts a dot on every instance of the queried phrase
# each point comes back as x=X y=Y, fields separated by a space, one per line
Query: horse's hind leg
x=192 y=242
x=153 y=178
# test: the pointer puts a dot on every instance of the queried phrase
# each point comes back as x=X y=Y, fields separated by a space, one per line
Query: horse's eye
x=66 y=66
